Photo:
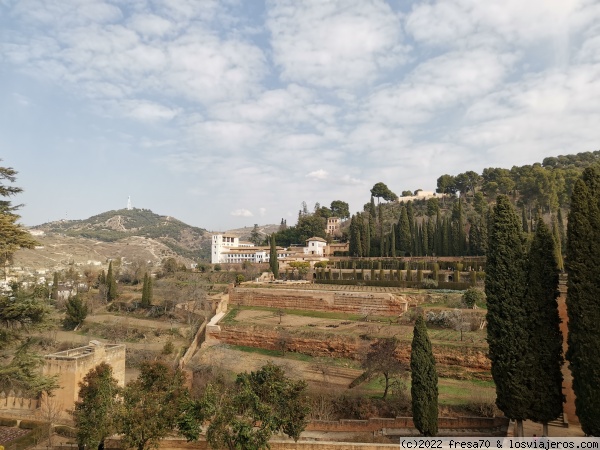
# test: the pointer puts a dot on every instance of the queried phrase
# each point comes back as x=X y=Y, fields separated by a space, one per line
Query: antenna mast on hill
x=129 y=203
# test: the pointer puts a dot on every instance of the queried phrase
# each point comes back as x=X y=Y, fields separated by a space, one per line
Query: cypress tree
x=431 y=237
x=557 y=244
x=524 y=219
x=54 y=294
x=425 y=238
x=273 y=262
x=445 y=237
x=561 y=229
x=439 y=239
x=146 y=302
x=111 y=284
x=410 y=212
x=545 y=342
x=583 y=302
x=404 y=236
x=424 y=381
x=507 y=331
x=393 y=242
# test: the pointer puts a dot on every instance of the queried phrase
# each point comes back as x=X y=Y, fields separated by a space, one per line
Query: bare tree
x=280 y=313
x=51 y=411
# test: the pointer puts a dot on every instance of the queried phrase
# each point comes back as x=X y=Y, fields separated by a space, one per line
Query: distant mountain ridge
x=111 y=226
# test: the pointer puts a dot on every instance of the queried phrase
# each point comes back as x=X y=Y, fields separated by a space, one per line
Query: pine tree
x=111 y=284
x=545 y=341
x=507 y=331
x=76 y=311
x=583 y=303
x=424 y=381
x=273 y=262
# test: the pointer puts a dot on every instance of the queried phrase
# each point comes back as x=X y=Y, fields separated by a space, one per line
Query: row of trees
x=240 y=415
x=452 y=235
x=583 y=301
x=525 y=341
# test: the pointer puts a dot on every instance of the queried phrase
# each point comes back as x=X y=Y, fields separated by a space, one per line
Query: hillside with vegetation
x=111 y=226
x=454 y=222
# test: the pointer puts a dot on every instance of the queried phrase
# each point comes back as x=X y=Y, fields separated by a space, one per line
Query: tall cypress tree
x=54 y=294
x=507 y=331
x=557 y=244
x=111 y=284
x=273 y=262
x=404 y=236
x=393 y=242
x=546 y=340
x=583 y=302
x=147 y=291
x=424 y=381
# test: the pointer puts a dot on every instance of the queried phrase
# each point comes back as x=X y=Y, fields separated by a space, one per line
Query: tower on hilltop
x=129 y=203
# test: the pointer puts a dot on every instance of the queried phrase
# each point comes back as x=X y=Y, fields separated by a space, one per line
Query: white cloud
x=148 y=111
x=262 y=211
x=439 y=83
x=318 y=174
x=150 y=25
x=335 y=44
x=241 y=213
x=458 y=22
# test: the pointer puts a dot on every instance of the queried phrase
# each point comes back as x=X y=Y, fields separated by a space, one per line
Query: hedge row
x=401 y=264
x=457 y=286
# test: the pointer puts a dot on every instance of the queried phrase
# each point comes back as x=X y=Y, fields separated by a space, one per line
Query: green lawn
x=451 y=392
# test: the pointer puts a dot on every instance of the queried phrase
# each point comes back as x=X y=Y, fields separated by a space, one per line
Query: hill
x=112 y=226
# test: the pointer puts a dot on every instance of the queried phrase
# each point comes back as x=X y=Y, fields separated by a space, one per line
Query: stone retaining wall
x=382 y=304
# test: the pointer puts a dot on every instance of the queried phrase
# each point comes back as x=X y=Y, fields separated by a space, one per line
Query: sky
x=228 y=113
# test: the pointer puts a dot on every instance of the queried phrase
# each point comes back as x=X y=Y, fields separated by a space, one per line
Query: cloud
x=318 y=174
x=336 y=44
x=148 y=111
x=241 y=213
x=262 y=211
x=439 y=83
x=450 y=23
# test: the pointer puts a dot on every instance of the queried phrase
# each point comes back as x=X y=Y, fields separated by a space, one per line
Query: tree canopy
x=380 y=190
x=246 y=415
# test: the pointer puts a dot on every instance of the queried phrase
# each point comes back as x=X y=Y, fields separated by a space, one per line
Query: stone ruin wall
x=343 y=346
x=381 y=304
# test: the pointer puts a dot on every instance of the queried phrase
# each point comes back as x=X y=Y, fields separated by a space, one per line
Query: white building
x=315 y=246
x=227 y=249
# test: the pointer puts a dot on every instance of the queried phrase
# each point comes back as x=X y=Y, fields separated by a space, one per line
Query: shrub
x=8 y=422
x=28 y=424
x=472 y=296
x=428 y=283
x=482 y=403
x=63 y=430
x=168 y=348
